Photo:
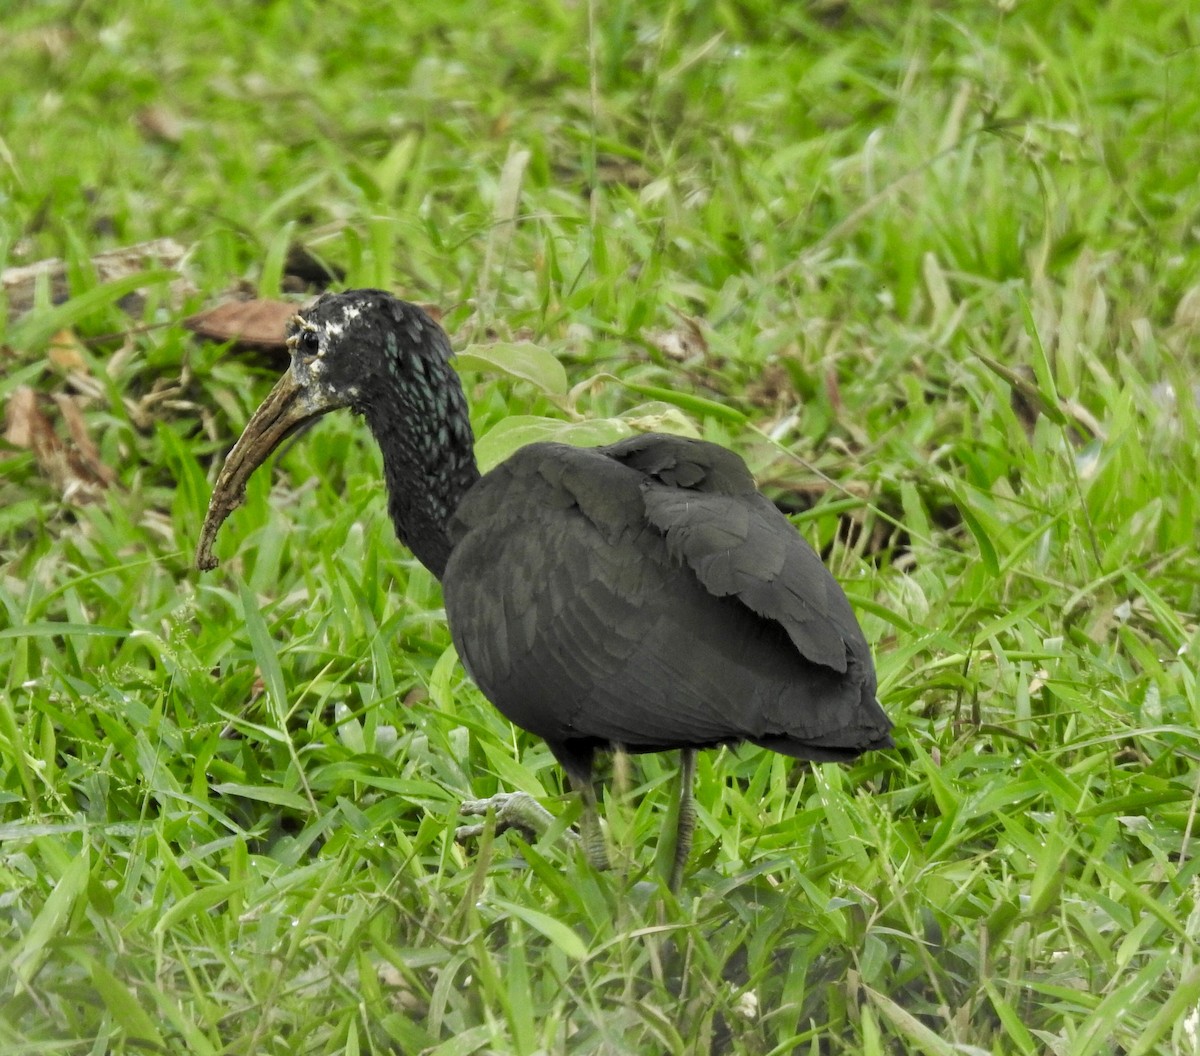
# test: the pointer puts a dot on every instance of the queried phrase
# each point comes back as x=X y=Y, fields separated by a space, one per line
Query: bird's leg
x=685 y=823
x=576 y=762
x=591 y=835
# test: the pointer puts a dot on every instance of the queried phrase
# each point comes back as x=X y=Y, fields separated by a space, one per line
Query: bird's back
x=645 y=594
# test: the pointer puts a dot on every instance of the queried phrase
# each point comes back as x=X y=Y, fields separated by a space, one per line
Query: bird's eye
x=309 y=342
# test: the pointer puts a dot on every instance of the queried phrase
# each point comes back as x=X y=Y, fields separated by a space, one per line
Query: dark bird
x=642 y=596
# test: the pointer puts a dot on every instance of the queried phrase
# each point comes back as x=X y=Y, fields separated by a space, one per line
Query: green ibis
x=641 y=596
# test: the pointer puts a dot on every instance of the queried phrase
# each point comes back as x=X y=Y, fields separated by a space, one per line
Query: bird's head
x=361 y=349
x=350 y=348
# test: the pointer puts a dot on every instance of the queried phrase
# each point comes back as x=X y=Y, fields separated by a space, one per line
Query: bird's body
x=646 y=595
x=642 y=595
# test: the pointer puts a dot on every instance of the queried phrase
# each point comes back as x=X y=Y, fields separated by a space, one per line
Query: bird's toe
x=512 y=810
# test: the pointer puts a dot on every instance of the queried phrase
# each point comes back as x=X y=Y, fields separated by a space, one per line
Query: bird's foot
x=512 y=810
x=520 y=811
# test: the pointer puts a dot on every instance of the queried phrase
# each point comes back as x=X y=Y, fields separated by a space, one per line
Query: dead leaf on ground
x=258 y=325
x=24 y=425
x=71 y=464
x=77 y=430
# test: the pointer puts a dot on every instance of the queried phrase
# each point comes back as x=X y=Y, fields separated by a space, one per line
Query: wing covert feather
x=749 y=550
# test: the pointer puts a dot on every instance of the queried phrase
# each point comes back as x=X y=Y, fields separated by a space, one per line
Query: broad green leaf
x=519 y=430
x=442 y=678
x=50 y=629
x=1011 y=1020
x=517 y=359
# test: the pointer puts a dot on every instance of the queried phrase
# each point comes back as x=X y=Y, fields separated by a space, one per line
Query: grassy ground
x=931 y=267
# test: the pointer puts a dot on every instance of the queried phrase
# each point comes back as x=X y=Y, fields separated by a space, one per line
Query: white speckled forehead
x=333 y=327
x=351 y=310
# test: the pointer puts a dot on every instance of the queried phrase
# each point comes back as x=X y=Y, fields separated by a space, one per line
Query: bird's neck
x=428 y=462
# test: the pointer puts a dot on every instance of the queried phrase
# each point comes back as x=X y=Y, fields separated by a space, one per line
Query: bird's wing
x=703 y=499
x=593 y=599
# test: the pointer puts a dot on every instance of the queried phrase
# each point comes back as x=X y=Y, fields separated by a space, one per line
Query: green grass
x=228 y=802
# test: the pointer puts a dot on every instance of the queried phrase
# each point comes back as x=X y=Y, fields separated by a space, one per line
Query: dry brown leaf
x=24 y=425
x=257 y=325
x=73 y=465
x=86 y=457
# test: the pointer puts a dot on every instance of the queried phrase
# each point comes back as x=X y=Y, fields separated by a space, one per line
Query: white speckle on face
x=334 y=330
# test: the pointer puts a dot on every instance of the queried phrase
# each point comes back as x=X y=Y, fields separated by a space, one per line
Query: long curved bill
x=285 y=409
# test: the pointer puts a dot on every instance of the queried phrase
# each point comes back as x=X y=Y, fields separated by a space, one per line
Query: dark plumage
x=642 y=595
